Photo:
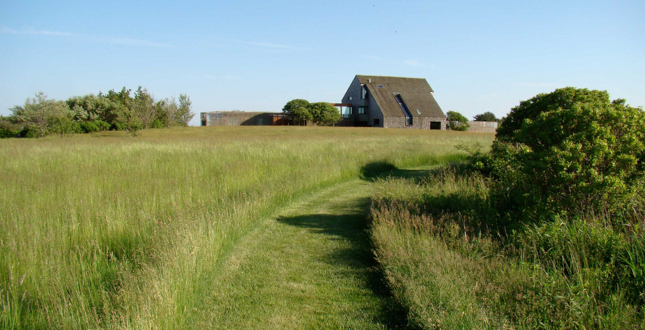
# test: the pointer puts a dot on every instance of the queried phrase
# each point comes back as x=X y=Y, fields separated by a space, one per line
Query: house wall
x=373 y=112
x=417 y=122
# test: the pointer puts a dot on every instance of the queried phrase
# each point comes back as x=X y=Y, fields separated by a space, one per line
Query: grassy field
x=109 y=231
x=452 y=268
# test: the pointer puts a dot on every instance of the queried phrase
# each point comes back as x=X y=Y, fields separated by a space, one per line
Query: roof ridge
x=363 y=75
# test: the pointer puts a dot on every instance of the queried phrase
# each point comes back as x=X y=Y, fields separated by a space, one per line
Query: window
x=435 y=125
x=379 y=86
x=406 y=111
x=377 y=122
x=350 y=98
x=363 y=92
x=362 y=110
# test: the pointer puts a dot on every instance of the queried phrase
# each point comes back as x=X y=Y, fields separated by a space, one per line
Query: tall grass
x=451 y=264
x=109 y=231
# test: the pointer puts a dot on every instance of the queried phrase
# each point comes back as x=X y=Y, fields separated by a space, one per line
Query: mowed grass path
x=309 y=267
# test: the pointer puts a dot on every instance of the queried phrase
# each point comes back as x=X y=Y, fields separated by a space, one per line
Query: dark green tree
x=456 y=121
x=298 y=111
x=324 y=114
x=486 y=116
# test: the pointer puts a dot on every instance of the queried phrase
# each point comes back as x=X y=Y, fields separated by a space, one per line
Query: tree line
x=117 y=110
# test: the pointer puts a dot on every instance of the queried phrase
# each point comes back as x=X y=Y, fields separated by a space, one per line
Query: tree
x=39 y=112
x=486 y=116
x=184 y=113
x=297 y=110
x=456 y=121
x=144 y=106
x=324 y=114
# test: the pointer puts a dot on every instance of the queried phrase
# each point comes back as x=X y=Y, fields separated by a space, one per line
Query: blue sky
x=255 y=56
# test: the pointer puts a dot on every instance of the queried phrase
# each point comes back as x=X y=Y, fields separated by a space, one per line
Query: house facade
x=394 y=102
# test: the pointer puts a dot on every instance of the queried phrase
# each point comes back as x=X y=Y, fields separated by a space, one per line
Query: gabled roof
x=415 y=92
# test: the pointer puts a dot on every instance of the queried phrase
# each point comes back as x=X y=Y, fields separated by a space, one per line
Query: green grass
x=310 y=267
x=108 y=231
x=452 y=267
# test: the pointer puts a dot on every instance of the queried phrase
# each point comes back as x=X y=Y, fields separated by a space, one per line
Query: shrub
x=103 y=126
x=157 y=124
x=456 y=121
x=89 y=127
x=581 y=155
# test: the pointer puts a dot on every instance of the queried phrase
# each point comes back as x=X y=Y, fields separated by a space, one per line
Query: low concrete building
x=396 y=102
x=243 y=118
x=483 y=126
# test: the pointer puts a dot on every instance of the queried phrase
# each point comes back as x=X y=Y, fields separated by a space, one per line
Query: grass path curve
x=311 y=267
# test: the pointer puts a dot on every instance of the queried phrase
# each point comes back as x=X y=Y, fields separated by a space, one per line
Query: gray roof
x=415 y=92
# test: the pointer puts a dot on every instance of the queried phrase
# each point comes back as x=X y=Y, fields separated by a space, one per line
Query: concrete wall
x=237 y=118
x=483 y=126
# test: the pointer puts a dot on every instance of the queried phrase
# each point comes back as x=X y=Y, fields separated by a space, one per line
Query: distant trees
x=321 y=113
x=456 y=121
x=486 y=116
x=116 y=110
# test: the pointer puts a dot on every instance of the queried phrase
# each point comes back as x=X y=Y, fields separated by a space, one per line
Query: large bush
x=570 y=151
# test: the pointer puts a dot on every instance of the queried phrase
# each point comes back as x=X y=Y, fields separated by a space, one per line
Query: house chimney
x=369 y=80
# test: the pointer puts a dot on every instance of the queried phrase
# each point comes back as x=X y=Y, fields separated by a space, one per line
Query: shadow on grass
x=381 y=170
x=352 y=227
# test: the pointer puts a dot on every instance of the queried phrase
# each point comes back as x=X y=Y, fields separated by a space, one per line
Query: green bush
x=586 y=156
x=157 y=124
x=102 y=125
x=456 y=121
x=29 y=132
x=89 y=127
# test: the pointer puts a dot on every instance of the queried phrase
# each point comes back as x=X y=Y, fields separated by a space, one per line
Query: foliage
x=573 y=157
x=486 y=116
x=93 y=113
x=39 y=112
x=324 y=114
x=298 y=110
x=184 y=112
x=531 y=109
x=8 y=128
x=456 y=121
x=321 y=113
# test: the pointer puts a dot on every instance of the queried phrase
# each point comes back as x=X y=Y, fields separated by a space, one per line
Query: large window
x=363 y=92
x=345 y=111
x=362 y=110
x=406 y=111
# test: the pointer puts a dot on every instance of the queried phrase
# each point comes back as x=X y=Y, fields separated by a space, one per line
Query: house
x=396 y=102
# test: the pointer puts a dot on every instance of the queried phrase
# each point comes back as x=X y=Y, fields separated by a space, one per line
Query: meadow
x=105 y=230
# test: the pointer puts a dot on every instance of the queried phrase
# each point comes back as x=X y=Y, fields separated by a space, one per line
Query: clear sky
x=256 y=55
